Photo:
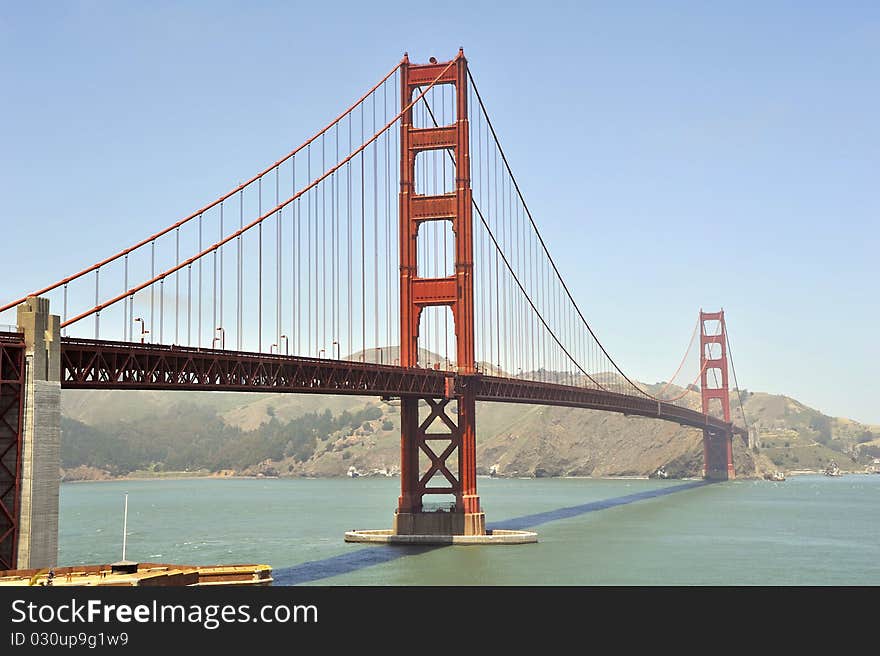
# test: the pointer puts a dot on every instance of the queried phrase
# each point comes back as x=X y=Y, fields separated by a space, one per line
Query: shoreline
x=183 y=476
x=173 y=476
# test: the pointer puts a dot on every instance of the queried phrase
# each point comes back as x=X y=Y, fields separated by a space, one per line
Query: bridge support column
x=454 y=436
x=12 y=377
x=468 y=499
x=410 y=500
x=40 y=478
x=718 y=456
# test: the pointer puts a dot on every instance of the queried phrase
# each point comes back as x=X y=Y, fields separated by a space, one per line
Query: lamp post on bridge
x=286 y=345
x=144 y=331
x=219 y=336
x=336 y=350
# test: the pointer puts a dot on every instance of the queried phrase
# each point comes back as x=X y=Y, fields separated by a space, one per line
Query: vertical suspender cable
x=126 y=324
x=435 y=238
x=294 y=264
x=533 y=267
x=497 y=270
x=309 y=251
x=504 y=302
x=334 y=244
x=337 y=240
x=350 y=245
x=153 y=275
x=375 y=228
x=297 y=284
x=177 y=283
x=363 y=250
x=278 y=237
x=514 y=297
x=444 y=262
x=334 y=282
x=395 y=280
x=489 y=291
x=162 y=311
x=260 y=268
x=320 y=278
x=214 y=299
x=189 y=305
x=388 y=189
x=323 y=285
x=219 y=324
x=97 y=302
x=482 y=260
x=199 y=321
x=239 y=291
x=545 y=362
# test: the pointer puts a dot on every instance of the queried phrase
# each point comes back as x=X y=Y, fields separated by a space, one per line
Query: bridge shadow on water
x=316 y=570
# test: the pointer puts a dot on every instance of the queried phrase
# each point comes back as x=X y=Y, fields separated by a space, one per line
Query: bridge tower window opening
x=435 y=255
x=437 y=338
x=436 y=109
x=435 y=172
x=713 y=351
x=715 y=407
x=714 y=378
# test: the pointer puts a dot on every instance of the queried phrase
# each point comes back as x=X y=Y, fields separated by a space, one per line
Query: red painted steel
x=439 y=415
x=99 y=364
x=517 y=390
x=717 y=445
x=455 y=291
x=12 y=374
x=95 y=364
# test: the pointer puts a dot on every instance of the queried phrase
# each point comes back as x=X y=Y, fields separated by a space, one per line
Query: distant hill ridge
x=114 y=433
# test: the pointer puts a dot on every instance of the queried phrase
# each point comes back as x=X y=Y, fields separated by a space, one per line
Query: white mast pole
x=125 y=527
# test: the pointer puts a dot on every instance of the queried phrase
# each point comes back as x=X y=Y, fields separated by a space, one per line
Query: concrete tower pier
x=41 y=436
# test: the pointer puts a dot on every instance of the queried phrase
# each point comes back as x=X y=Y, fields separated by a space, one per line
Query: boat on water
x=774 y=476
x=832 y=469
x=126 y=573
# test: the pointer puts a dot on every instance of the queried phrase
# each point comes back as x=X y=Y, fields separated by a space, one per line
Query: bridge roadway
x=100 y=364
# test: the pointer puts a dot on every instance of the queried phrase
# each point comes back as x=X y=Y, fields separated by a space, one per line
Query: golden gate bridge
x=392 y=254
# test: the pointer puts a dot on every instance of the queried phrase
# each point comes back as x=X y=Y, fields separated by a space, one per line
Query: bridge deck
x=99 y=364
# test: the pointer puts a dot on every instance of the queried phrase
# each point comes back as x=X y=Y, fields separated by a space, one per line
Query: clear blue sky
x=675 y=154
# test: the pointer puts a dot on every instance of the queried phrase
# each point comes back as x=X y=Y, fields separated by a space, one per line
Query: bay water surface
x=807 y=530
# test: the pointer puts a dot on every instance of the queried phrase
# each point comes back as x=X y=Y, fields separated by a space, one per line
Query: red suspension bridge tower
x=456 y=292
x=717 y=445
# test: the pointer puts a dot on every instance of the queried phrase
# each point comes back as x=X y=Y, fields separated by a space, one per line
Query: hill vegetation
x=190 y=437
x=110 y=434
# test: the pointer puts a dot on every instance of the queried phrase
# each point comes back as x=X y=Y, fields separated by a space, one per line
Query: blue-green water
x=808 y=530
